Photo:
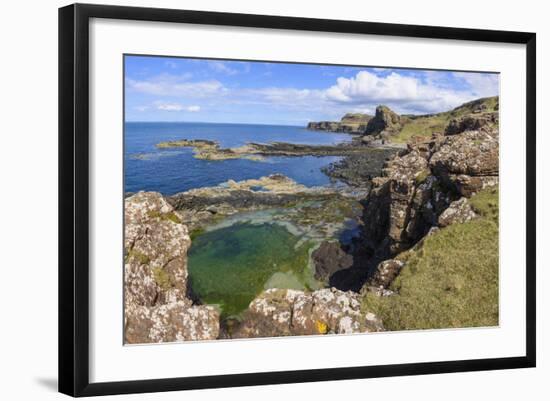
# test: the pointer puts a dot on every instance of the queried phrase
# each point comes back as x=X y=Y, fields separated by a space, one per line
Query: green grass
x=424 y=126
x=452 y=280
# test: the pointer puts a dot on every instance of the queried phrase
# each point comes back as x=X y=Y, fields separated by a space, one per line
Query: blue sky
x=181 y=89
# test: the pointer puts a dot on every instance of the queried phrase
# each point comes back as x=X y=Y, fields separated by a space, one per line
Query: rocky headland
x=410 y=243
x=351 y=123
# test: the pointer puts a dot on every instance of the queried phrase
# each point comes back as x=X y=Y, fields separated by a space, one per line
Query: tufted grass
x=451 y=281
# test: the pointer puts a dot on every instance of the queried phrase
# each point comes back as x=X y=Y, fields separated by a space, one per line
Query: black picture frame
x=74 y=198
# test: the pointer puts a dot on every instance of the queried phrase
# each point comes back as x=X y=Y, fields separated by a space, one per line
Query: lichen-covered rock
x=386 y=272
x=471 y=122
x=473 y=153
x=175 y=321
x=459 y=211
x=468 y=185
x=155 y=275
x=388 y=211
x=421 y=182
x=281 y=312
x=156 y=247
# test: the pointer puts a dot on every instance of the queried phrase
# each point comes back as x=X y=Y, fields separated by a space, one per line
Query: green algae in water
x=231 y=265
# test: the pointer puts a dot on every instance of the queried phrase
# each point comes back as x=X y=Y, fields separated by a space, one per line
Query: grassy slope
x=451 y=280
x=424 y=126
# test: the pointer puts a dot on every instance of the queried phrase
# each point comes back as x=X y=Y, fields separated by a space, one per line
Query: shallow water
x=230 y=266
x=175 y=170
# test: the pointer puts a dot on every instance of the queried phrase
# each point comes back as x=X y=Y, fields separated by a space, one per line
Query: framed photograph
x=250 y=199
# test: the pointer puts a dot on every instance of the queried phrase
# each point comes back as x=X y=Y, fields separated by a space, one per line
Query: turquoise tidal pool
x=230 y=266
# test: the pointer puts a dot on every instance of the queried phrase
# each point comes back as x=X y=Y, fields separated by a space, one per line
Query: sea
x=170 y=171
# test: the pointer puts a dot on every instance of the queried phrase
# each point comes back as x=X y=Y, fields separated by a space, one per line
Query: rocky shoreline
x=402 y=204
x=210 y=150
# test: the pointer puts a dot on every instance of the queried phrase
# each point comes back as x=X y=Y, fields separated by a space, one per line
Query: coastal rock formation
x=352 y=123
x=385 y=123
x=200 y=205
x=425 y=185
x=155 y=276
x=210 y=150
x=359 y=169
x=281 y=312
x=471 y=122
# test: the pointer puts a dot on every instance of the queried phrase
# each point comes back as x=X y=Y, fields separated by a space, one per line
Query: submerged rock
x=156 y=307
x=280 y=312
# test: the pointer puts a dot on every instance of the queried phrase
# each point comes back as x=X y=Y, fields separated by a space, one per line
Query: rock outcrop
x=470 y=122
x=459 y=211
x=385 y=273
x=281 y=312
x=157 y=308
x=385 y=123
x=427 y=186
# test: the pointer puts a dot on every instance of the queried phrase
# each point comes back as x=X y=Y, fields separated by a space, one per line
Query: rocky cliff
x=157 y=308
x=384 y=124
x=420 y=183
x=352 y=123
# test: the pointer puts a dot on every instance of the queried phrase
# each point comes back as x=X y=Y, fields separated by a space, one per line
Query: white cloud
x=176 y=85
x=482 y=85
x=418 y=93
x=168 y=106
x=219 y=66
x=406 y=94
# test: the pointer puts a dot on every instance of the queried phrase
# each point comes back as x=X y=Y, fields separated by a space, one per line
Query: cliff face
x=352 y=123
x=385 y=123
x=157 y=308
x=418 y=185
